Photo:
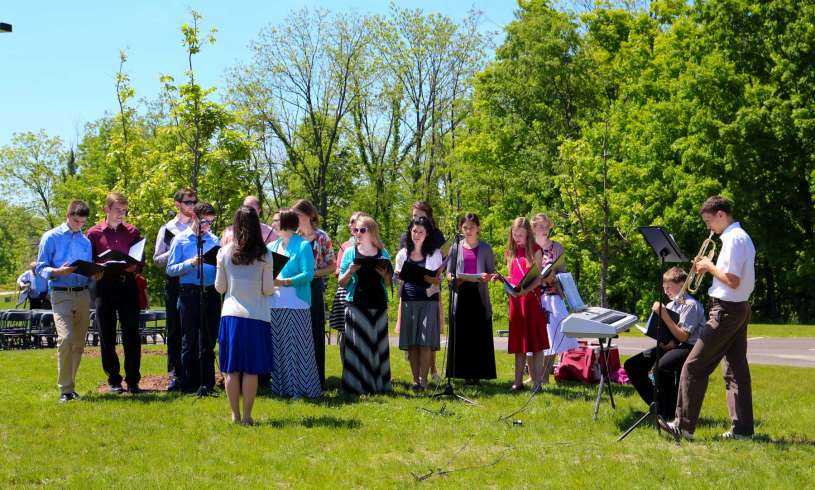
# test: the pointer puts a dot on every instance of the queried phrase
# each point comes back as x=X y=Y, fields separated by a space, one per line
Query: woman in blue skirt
x=245 y=274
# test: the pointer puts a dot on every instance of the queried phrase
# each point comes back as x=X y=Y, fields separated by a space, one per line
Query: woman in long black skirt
x=471 y=354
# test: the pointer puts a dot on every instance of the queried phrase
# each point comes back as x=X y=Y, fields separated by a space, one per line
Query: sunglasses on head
x=359 y=230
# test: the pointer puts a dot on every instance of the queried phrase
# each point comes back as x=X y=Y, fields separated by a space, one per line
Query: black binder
x=87 y=269
x=279 y=261
x=665 y=332
x=415 y=274
x=211 y=255
x=374 y=262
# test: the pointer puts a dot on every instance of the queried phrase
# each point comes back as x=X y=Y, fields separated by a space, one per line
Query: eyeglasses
x=205 y=222
x=190 y=203
x=359 y=230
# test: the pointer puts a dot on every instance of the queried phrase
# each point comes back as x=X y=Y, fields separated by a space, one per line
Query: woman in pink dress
x=527 y=320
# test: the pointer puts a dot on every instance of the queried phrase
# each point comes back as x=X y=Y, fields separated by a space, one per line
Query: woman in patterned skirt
x=244 y=272
x=295 y=370
x=366 y=368
x=336 y=319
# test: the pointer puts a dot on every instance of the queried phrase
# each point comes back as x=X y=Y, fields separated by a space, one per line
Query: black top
x=369 y=292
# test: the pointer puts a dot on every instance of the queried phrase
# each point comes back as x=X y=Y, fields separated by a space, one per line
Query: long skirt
x=336 y=319
x=420 y=325
x=527 y=324
x=366 y=368
x=559 y=343
x=470 y=350
x=295 y=372
x=318 y=325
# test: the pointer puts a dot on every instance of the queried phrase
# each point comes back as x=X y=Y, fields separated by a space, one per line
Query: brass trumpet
x=694 y=280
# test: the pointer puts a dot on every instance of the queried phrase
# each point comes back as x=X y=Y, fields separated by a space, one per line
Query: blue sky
x=57 y=68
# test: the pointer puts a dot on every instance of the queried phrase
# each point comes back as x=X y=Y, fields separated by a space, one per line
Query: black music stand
x=666 y=249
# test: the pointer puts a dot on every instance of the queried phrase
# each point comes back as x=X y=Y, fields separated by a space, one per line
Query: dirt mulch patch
x=94 y=352
x=153 y=384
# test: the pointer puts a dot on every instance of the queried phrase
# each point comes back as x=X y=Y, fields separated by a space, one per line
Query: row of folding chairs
x=26 y=329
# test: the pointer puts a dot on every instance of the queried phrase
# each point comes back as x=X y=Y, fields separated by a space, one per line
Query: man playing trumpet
x=725 y=333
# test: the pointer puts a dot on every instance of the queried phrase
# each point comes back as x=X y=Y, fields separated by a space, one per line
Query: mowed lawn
x=158 y=440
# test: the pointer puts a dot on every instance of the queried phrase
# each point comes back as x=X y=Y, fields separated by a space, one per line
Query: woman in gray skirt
x=419 y=267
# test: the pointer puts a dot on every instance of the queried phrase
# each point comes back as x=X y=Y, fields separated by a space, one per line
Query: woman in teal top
x=294 y=372
x=366 y=367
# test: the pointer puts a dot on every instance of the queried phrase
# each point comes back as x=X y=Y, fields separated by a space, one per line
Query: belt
x=195 y=287
x=717 y=301
x=73 y=290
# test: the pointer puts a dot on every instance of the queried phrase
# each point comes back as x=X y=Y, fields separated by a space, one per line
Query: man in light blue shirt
x=70 y=298
x=36 y=289
x=197 y=344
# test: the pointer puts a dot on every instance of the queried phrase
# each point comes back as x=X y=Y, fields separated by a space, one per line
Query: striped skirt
x=366 y=368
x=336 y=319
x=294 y=371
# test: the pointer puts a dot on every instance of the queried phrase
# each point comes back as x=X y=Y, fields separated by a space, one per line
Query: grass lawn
x=160 y=440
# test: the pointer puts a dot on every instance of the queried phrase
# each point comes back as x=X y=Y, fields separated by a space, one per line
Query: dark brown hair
x=288 y=219
x=249 y=245
x=180 y=194
x=78 y=208
x=471 y=217
x=203 y=209
x=714 y=204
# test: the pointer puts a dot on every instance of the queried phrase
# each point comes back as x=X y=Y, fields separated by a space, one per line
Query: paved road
x=760 y=350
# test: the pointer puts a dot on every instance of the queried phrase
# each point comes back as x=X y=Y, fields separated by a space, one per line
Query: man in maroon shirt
x=117 y=295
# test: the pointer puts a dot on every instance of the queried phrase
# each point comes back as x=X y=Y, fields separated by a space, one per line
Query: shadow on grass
x=326 y=421
x=334 y=396
x=146 y=396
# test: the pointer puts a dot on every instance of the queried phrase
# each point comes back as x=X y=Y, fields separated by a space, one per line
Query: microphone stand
x=451 y=322
x=203 y=336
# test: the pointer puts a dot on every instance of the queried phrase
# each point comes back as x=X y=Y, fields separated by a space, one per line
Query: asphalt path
x=780 y=351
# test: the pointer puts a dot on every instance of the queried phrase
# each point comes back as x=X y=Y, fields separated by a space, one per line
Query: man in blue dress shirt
x=70 y=298
x=36 y=289
x=197 y=370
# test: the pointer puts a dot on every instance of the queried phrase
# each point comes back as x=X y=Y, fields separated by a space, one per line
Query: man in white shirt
x=185 y=201
x=725 y=333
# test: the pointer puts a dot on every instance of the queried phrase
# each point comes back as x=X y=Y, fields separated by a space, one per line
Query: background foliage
x=607 y=116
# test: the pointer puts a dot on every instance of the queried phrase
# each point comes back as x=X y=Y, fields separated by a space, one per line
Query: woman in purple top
x=471 y=354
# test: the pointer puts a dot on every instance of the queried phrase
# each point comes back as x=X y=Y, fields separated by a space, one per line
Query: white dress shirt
x=737 y=257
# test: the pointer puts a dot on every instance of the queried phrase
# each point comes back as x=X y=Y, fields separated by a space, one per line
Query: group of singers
x=273 y=326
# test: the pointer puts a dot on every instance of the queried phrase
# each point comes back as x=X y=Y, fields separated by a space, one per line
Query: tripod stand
x=668 y=251
x=451 y=323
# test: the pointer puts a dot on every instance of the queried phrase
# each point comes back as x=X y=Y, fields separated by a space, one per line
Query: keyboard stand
x=604 y=377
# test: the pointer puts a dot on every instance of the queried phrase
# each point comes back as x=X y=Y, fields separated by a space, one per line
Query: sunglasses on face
x=190 y=203
x=205 y=222
x=359 y=230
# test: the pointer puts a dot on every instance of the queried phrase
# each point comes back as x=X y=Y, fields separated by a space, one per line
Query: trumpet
x=694 y=280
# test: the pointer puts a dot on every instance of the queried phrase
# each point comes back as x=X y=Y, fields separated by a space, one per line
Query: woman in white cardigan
x=419 y=331
x=245 y=273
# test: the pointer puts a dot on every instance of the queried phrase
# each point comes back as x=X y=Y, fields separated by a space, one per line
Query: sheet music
x=569 y=288
x=137 y=250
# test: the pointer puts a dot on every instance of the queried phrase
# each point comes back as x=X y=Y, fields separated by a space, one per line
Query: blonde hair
x=373 y=228
x=542 y=218
x=675 y=275
x=520 y=222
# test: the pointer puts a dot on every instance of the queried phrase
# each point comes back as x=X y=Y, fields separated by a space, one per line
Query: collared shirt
x=183 y=249
x=691 y=317
x=737 y=257
x=37 y=286
x=61 y=246
x=120 y=239
x=165 y=236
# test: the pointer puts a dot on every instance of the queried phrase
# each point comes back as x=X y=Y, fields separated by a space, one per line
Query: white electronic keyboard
x=590 y=321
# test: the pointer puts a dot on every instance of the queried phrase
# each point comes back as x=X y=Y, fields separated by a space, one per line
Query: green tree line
x=607 y=116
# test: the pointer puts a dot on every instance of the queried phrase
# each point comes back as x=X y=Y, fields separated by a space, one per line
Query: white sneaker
x=673 y=429
x=734 y=436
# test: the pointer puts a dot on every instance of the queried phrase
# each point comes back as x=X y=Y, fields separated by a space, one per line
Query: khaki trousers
x=724 y=336
x=71 y=318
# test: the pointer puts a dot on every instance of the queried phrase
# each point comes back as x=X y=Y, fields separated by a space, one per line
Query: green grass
x=161 y=440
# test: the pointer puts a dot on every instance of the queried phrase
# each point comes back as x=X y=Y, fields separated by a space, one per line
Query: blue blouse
x=300 y=267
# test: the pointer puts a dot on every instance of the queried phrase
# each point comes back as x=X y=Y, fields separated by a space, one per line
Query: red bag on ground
x=578 y=364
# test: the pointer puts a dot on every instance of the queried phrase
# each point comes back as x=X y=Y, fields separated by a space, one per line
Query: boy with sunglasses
x=185 y=201
x=197 y=345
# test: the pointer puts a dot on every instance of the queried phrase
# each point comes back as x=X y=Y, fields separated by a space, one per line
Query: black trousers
x=172 y=325
x=197 y=346
x=670 y=365
x=318 y=325
x=117 y=298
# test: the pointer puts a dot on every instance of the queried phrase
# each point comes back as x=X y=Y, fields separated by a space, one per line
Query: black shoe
x=134 y=389
x=116 y=389
x=66 y=397
x=75 y=395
